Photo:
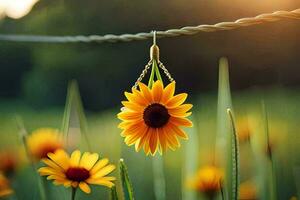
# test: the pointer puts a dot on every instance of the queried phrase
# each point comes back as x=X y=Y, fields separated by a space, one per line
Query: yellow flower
x=151 y=118
x=5 y=189
x=77 y=170
x=207 y=181
x=43 y=141
x=247 y=191
x=8 y=162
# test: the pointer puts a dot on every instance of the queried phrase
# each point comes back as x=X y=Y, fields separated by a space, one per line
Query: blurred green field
x=282 y=106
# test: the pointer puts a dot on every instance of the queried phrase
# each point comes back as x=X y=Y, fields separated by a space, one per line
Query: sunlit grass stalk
x=235 y=158
x=126 y=183
x=74 y=100
x=23 y=135
x=113 y=193
x=159 y=181
x=271 y=165
x=190 y=164
x=223 y=136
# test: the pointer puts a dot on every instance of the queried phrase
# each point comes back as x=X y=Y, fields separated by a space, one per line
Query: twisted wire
x=188 y=30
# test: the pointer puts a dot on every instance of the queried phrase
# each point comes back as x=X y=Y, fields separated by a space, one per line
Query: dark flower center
x=47 y=149
x=77 y=174
x=156 y=115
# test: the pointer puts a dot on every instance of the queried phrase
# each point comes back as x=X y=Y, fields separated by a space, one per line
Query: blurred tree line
x=39 y=73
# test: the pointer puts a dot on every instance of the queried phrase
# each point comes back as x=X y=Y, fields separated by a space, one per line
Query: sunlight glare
x=15 y=8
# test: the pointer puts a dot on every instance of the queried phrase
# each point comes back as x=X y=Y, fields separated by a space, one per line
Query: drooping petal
x=179 y=132
x=177 y=121
x=84 y=187
x=153 y=141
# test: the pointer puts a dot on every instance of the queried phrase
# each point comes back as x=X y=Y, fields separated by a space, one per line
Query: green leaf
x=157 y=73
x=234 y=159
x=113 y=193
x=126 y=184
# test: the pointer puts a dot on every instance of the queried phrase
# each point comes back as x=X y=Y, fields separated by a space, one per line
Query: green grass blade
x=126 y=184
x=23 y=135
x=234 y=158
x=113 y=193
x=223 y=136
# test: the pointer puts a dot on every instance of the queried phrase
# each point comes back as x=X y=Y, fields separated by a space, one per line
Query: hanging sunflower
x=152 y=116
x=77 y=171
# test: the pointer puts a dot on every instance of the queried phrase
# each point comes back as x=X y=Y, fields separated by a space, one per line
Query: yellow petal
x=176 y=100
x=101 y=182
x=99 y=165
x=52 y=164
x=88 y=160
x=75 y=158
x=85 y=187
x=157 y=91
x=153 y=141
x=178 y=131
x=180 y=111
x=146 y=92
x=45 y=171
x=130 y=115
x=168 y=92
x=61 y=158
x=181 y=121
x=104 y=171
x=133 y=106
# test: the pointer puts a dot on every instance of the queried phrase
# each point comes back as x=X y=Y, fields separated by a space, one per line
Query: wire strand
x=188 y=30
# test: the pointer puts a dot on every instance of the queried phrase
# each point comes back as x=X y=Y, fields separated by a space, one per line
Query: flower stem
x=73 y=193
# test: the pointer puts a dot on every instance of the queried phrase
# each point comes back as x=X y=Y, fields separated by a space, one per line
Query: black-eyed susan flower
x=248 y=191
x=43 y=141
x=152 y=118
x=5 y=189
x=207 y=181
x=77 y=171
x=8 y=161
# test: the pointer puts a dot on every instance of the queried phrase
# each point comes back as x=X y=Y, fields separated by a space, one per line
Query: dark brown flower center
x=156 y=115
x=77 y=174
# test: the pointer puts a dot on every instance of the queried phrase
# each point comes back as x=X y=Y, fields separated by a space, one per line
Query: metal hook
x=154 y=50
x=154 y=37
